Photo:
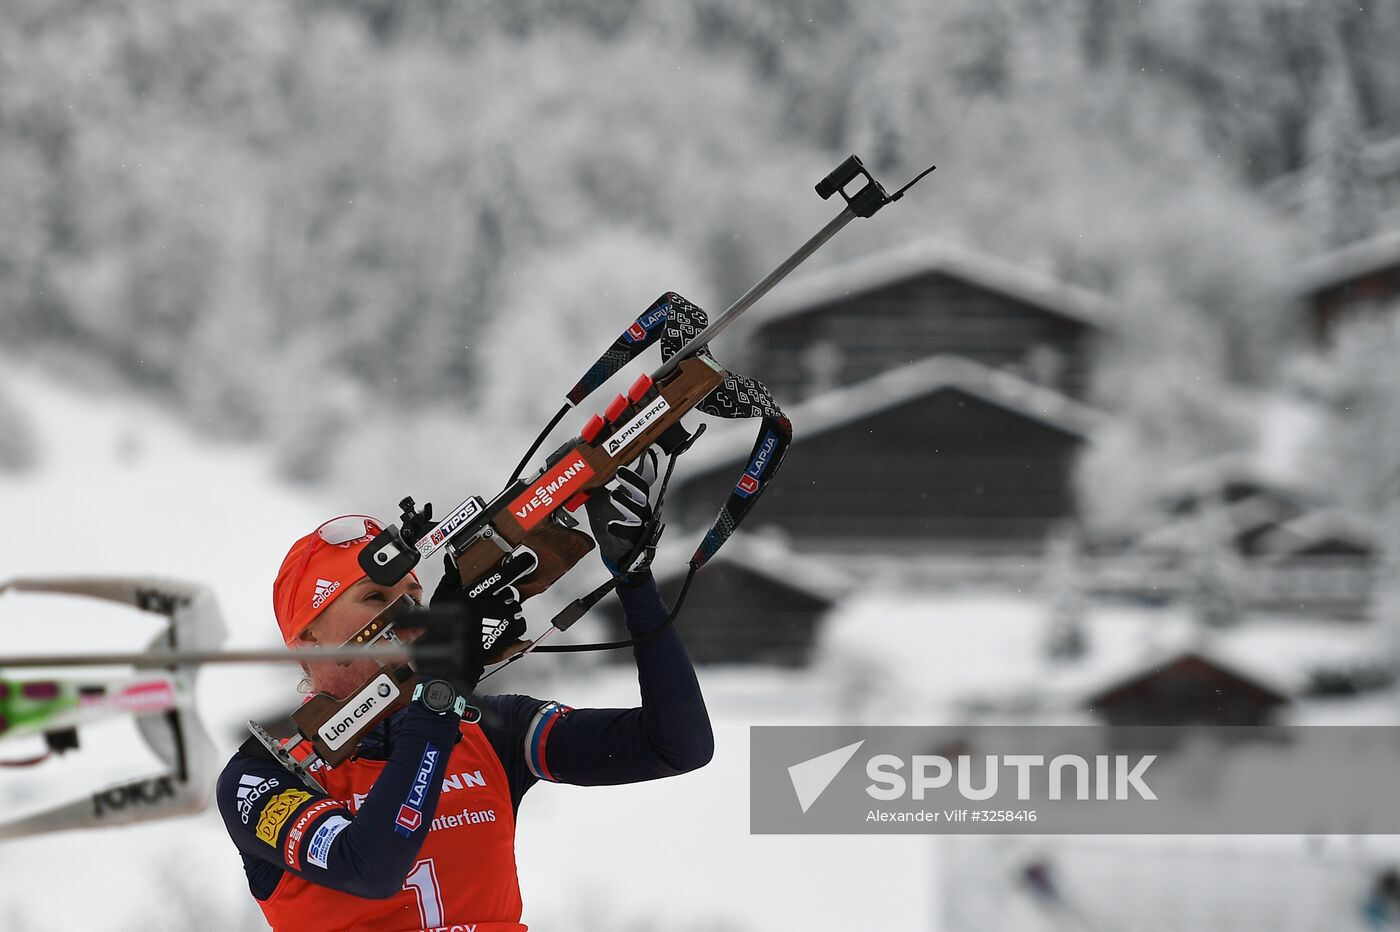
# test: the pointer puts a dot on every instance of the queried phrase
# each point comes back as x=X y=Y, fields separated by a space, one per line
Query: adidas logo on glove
x=491 y=631
x=485 y=585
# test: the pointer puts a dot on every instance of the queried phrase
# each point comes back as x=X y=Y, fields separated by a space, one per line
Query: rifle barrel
x=750 y=297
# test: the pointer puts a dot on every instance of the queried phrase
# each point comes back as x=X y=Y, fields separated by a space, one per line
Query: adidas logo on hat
x=324 y=588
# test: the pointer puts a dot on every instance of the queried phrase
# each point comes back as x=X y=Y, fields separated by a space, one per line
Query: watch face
x=438 y=696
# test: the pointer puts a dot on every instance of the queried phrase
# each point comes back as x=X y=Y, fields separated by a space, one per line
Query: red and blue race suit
x=418 y=830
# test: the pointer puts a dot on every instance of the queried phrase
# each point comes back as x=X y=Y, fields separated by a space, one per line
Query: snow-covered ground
x=910 y=657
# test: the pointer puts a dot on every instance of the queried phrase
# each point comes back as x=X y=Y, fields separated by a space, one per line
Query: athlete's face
x=340 y=621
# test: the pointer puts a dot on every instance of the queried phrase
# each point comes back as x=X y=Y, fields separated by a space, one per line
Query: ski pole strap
x=738 y=396
x=674 y=321
x=774 y=438
x=631 y=343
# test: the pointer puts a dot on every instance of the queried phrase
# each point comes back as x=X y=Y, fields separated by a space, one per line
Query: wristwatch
x=439 y=697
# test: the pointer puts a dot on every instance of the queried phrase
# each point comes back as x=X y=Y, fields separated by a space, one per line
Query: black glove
x=489 y=625
x=620 y=515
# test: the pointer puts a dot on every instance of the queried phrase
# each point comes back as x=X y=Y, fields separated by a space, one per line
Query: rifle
x=535 y=512
x=527 y=512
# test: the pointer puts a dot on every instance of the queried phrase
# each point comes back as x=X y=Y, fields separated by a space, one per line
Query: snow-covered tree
x=18 y=450
x=1063 y=586
x=1163 y=371
x=199 y=190
x=1342 y=198
x=1217 y=574
x=1359 y=451
x=1385 y=593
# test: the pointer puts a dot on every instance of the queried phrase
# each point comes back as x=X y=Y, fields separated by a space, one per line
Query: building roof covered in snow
x=1228 y=479
x=1360 y=275
x=1348 y=263
x=845 y=406
x=927 y=256
x=854 y=321
x=942 y=450
x=1325 y=532
x=1213 y=651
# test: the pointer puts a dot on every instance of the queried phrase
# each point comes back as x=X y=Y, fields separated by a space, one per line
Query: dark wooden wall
x=946 y=468
x=1333 y=305
x=1187 y=691
x=734 y=615
x=851 y=340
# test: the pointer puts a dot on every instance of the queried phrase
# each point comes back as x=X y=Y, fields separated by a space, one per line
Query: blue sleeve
x=279 y=824
x=667 y=735
x=505 y=720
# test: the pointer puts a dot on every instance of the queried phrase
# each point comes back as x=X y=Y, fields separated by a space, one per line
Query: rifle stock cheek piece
x=322 y=708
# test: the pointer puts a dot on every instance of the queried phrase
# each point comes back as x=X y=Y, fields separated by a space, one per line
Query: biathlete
x=417 y=831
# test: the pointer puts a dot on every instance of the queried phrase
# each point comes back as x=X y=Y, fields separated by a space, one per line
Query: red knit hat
x=318 y=569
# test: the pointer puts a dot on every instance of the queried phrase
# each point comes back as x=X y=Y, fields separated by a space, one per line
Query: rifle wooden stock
x=321 y=708
x=559 y=548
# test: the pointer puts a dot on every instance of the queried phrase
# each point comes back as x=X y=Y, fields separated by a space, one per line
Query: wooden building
x=943 y=454
x=1321 y=562
x=1187 y=688
x=1359 y=278
x=858 y=320
x=1295 y=555
x=755 y=602
x=1321 y=533
x=1293 y=193
x=1249 y=503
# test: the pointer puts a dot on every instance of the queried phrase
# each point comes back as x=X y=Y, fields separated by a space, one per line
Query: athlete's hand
x=492 y=619
x=494 y=605
x=620 y=515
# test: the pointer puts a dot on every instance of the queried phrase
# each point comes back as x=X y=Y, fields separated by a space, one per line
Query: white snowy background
x=262 y=263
